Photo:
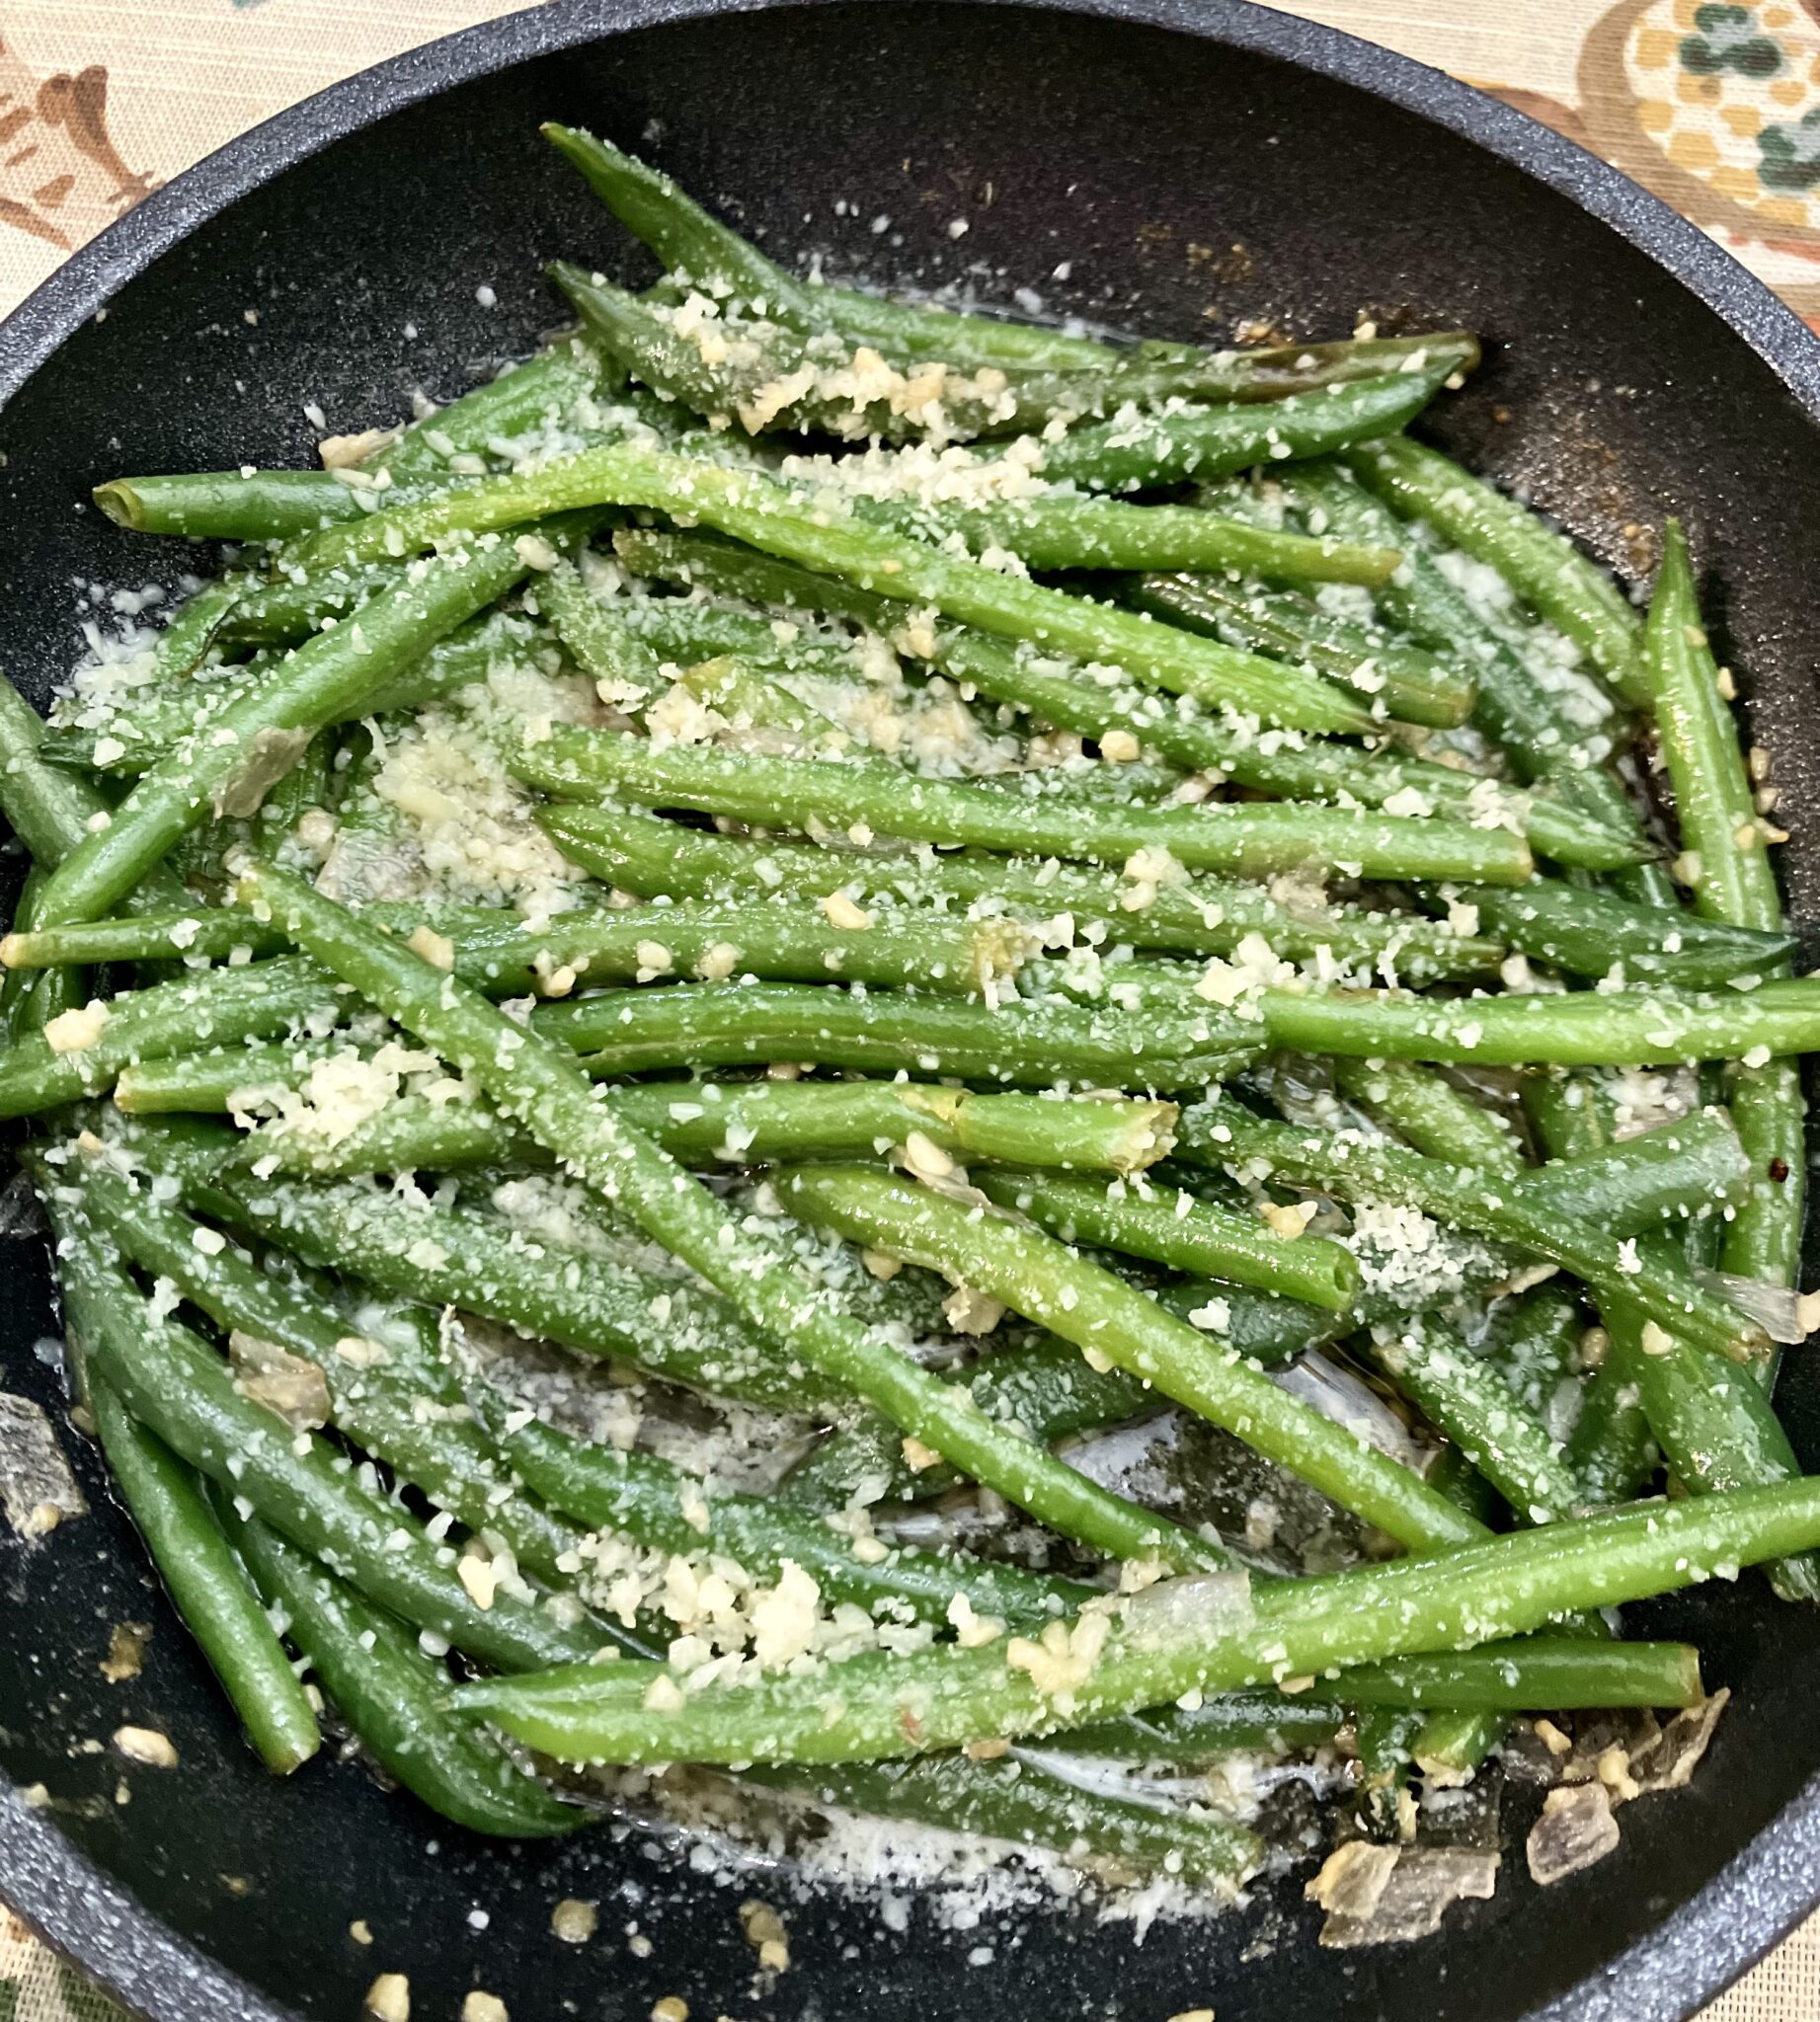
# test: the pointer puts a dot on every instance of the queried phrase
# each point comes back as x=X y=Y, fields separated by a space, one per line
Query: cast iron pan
x=1199 y=165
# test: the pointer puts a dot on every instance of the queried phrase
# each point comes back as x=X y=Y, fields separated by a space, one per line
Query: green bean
x=755 y=1124
x=496 y=951
x=1555 y=1672
x=767 y=515
x=1173 y=445
x=605 y=648
x=681 y=234
x=760 y=1122
x=1769 y=1112
x=200 y=931
x=1272 y=1723
x=1259 y=1325
x=657 y=942
x=256 y=739
x=393 y=1696
x=1043 y=1280
x=1047 y=1388
x=23 y=1011
x=958 y=959
x=151 y=732
x=1592 y=933
x=1021 y=1799
x=391 y=1395
x=1610 y=1448
x=1428 y=1113
x=1229 y=1722
x=1018 y=1044
x=1563 y=1213
x=287 y=608
x=192 y=628
x=920 y=330
x=704 y=1025
x=92 y=1046
x=1689 y=1167
x=1544 y=567
x=1034 y=1043
x=661 y=1507
x=412 y=1134
x=532 y=1082
x=231 y=505
x=1067 y=533
x=1460 y=1483
x=686 y=629
x=1256 y=839
x=699 y=249
x=1286 y=767
x=30 y=1004
x=1143 y=1220
x=544 y=387
x=173 y=1382
x=1559 y=1673
x=208 y=1586
x=1535 y=1343
x=1499 y=1588
x=1468 y=1401
x=1273 y=372
x=51 y=810
x=1721 y=832
x=224 y=1080
x=1513 y=708
x=1596 y=791
x=639 y=853
x=771 y=379
x=545 y=1287
x=1456 y=1740
x=1413 y=686
x=1383 y=1738
x=1714 y=1424
x=288 y=505
x=1042 y=1385
x=1586 y=1029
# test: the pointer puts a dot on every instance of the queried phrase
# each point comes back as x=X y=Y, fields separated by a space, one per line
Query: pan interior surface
x=1143 y=177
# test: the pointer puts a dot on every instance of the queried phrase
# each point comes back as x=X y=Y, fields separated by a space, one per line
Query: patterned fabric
x=1713 y=104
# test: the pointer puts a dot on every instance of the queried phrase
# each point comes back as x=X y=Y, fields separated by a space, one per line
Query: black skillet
x=1196 y=166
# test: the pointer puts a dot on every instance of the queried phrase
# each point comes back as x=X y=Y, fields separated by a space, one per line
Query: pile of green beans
x=946 y=1124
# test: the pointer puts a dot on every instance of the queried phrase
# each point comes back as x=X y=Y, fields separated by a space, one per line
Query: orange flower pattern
x=61 y=177
x=1715 y=104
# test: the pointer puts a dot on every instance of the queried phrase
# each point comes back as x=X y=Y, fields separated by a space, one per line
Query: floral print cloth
x=1713 y=104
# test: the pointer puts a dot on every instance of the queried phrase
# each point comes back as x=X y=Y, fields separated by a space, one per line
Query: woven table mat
x=1713 y=104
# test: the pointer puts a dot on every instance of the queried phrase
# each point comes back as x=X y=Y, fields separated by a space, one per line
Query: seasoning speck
x=388 y=1999
x=574 y=1922
x=147 y=1746
x=765 y=1933
x=125 y=1656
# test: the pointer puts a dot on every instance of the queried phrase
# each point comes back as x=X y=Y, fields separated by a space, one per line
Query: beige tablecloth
x=1713 y=103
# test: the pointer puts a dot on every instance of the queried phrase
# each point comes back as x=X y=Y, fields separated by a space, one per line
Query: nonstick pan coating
x=1195 y=167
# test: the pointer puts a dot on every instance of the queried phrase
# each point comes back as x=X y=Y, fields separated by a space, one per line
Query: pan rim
x=1758 y=1897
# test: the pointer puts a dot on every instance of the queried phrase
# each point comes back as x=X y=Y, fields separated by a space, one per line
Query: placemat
x=1713 y=104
